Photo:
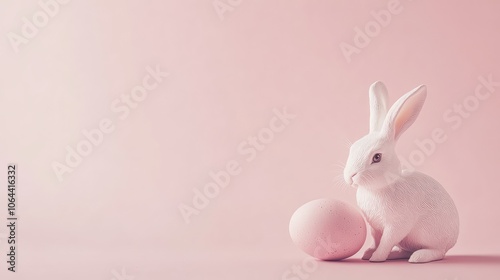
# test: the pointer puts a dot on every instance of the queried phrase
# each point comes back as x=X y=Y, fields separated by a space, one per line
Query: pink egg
x=328 y=229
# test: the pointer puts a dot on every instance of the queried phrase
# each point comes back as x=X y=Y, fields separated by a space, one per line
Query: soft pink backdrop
x=120 y=206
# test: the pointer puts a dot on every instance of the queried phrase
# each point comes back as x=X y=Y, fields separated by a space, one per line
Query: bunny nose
x=349 y=179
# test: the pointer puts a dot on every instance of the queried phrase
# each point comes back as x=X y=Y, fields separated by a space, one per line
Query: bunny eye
x=377 y=158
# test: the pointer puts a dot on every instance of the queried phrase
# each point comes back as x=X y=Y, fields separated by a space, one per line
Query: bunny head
x=372 y=160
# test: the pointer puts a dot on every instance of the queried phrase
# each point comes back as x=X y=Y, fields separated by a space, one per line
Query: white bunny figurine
x=410 y=214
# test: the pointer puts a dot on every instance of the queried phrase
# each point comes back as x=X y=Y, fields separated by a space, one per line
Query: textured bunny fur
x=410 y=214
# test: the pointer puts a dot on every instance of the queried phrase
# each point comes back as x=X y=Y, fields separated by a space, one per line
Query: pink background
x=119 y=208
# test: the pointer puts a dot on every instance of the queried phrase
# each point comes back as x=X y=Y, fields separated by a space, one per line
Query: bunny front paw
x=378 y=256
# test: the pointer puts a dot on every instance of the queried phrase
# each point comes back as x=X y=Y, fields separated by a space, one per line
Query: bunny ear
x=378 y=105
x=404 y=112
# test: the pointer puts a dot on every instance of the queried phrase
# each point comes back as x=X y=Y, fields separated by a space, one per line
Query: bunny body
x=410 y=214
x=418 y=209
